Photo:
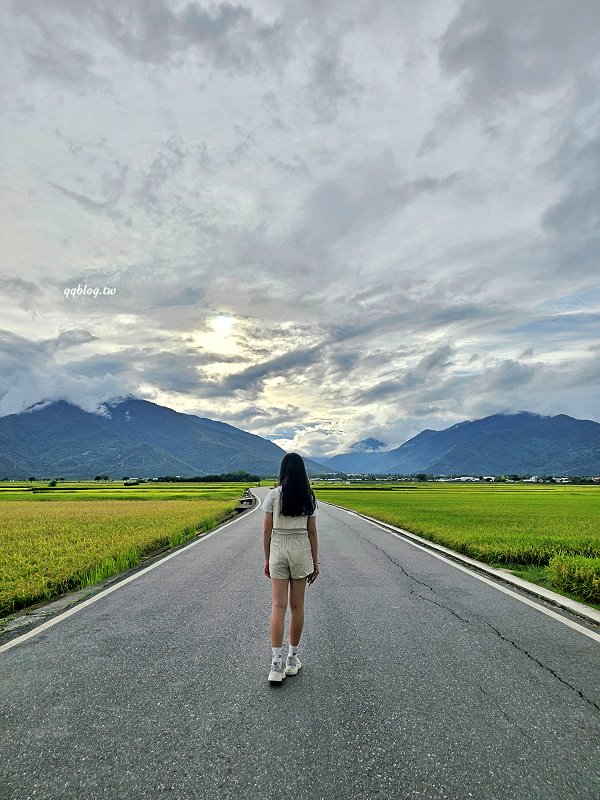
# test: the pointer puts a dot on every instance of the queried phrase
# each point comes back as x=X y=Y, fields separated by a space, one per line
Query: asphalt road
x=418 y=681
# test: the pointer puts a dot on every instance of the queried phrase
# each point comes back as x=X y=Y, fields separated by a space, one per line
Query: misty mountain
x=369 y=445
x=522 y=443
x=363 y=453
x=135 y=437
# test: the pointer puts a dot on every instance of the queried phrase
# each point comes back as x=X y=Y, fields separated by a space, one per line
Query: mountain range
x=135 y=438
x=522 y=443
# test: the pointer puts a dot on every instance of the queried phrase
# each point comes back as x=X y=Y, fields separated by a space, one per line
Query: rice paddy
x=54 y=541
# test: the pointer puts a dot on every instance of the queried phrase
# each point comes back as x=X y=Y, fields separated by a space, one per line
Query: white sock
x=277 y=655
x=293 y=650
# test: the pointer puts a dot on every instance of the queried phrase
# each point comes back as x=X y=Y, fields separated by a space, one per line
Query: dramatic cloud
x=320 y=222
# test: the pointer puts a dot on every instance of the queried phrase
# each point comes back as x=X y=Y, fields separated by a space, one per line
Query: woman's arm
x=312 y=535
x=267 y=528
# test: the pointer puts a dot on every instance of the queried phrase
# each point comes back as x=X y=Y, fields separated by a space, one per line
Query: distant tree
x=52 y=483
x=126 y=478
x=98 y=478
x=61 y=479
x=223 y=477
x=33 y=478
x=513 y=477
x=421 y=476
x=501 y=479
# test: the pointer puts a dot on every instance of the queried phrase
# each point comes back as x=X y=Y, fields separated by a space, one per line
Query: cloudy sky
x=316 y=220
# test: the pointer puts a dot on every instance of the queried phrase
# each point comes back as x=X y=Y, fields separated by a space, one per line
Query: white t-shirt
x=281 y=522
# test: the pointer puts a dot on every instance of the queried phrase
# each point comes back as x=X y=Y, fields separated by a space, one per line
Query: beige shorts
x=290 y=555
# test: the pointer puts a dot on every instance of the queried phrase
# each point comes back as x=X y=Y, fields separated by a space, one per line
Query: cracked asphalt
x=418 y=681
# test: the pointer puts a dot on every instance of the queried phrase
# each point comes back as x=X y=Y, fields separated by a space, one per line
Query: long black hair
x=297 y=496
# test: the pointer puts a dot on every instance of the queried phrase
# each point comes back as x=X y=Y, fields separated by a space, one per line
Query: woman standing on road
x=290 y=542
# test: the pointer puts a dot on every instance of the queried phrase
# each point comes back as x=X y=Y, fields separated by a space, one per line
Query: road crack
x=411 y=577
x=504 y=714
x=446 y=608
x=400 y=567
x=544 y=666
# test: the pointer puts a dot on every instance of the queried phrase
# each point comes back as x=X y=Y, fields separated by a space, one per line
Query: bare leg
x=297 y=587
x=278 y=609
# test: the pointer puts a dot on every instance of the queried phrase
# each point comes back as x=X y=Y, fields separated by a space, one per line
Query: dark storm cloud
x=364 y=194
x=88 y=203
x=69 y=338
x=151 y=31
x=99 y=365
x=518 y=46
x=332 y=81
x=251 y=380
x=170 y=370
x=574 y=221
x=147 y=31
x=510 y=375
x=29 y=28
x=428 y=369
x=25 y=293
x=252 y=417
x=551 y=329
x=181 y=297
x=15 y=352
x=406 y=314
x=168 y=159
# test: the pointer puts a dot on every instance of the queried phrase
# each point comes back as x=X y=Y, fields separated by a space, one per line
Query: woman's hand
x=267 y=570
x=315 y=573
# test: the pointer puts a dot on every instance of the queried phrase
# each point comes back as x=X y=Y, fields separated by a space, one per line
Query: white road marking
x=59 y=617
x=592 y=634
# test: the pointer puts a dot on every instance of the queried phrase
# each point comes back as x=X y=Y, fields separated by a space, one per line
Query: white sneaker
x=292 y=665
x=277 y=673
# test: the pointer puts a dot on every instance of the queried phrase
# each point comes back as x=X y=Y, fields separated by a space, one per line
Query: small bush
x=576 y=574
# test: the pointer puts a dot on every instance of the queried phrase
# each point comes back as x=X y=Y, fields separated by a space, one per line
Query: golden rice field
x=549 y=534
x=54 y=542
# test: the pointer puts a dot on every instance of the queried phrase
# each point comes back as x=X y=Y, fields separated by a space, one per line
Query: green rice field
x=53 y=541
x=548 y=534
